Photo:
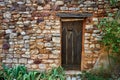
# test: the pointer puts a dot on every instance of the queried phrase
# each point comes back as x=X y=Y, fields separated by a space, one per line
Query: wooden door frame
x=83 y=32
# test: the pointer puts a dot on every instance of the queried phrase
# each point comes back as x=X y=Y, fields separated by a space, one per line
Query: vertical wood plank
x=72 y=44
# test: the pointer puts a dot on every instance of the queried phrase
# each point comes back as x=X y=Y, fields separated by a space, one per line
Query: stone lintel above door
x=75 y=15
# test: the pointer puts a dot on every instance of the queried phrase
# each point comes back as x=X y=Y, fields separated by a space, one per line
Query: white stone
x=48 y=61
x=55 y=31
x=23 y=33
x=43 y=56
x=56 y=51
x=12 y=35
x=8 y=60
x=23 y=60
x=72 y=9
x=3 y=61
x=23 y=49
x=68 y=78
x=56 y=27
x=11 y=49
x=73 y=78
x=56 y=35
x=97 y=45
x=86 y=45
x=26 y=45
x=59 y=3
x=33 y=38
x=7 y=15
x=27 y=52
x=87 y=34
x=88 y=51
x=42 y=66
x=96 y=31
x=33 y=22
x=54 y=56
x=78 y=8
x=81 y=5
x=48 y=45
x=39 y=8
x=30 y=61
x=26 y=55
x=53 y=0
x=40 y=43
x=16 y=55
x=26 y=37
x=11 y=43
x=63 y=8
x=86 y=41
x=89 y=26
x=47 y=27
x=12 y=27
x=25 y=12
x=9 y=55
x=94 y=35
x=8 y=31
x=46 y=31
x=28 y=1
x=92 y=46
x=27 y=41
x=28 y=66
x=57 y=24
x=2 y=55
x=26 y=22
x=21 y=42
x=15 y=60
x=16 y=42
x=40 y=36
x=2 y=3
x=56 y=39
x=38 y=31
x=57 y=44
x=20 y=23
x=88 y=2
x=20 y=2
x=98 y=39
x=95 y=19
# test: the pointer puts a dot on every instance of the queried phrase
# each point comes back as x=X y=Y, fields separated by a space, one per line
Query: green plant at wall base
x=32 y=75
x=44 y=75
x=92 y=76
x=16 y=72
x=20 y=73
x=1 y=75
x=56 y=74
x=7 y=73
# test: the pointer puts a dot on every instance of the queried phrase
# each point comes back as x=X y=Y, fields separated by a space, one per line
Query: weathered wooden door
x=71 y=44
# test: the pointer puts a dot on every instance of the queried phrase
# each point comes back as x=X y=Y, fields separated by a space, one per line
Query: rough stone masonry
x=30 y=31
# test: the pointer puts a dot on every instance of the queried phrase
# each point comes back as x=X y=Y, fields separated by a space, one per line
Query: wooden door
x=71 y=44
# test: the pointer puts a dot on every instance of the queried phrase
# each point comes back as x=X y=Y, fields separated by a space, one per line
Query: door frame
x=83 y=32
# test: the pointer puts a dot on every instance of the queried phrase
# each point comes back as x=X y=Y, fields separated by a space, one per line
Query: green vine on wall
x=110 y=28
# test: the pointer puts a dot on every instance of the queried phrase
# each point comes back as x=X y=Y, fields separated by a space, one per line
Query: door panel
x=71 y=44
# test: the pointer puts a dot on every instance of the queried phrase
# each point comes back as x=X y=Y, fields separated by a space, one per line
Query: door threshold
x=72 y=72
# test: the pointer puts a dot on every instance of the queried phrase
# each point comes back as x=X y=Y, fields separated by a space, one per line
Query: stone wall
x=30 y=31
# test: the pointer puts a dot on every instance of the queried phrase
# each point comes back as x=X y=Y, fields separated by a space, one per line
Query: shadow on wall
x=103 y=61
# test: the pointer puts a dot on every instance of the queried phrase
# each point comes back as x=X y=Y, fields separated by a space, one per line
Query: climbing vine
x=110 y=28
